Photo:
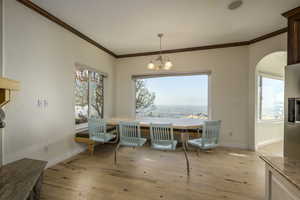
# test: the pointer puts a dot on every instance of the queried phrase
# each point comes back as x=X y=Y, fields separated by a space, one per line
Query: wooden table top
x=17 y=179
x=179 y=123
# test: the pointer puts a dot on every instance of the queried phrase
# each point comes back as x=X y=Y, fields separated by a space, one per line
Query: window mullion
x=260 y=97
x=89 y=94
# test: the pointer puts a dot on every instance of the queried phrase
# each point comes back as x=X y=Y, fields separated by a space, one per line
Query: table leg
x=91 y=148
x=184 y=146
x=116 y=150
x=35 y=194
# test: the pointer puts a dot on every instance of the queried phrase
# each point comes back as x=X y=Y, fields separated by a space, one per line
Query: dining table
x=181 y=124
x=177 y=123
x=185 y=126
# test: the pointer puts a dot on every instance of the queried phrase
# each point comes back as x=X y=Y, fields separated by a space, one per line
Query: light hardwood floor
x=143 y=173
x=274 y=149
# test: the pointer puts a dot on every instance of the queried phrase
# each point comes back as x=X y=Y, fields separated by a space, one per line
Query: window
x=172 y=97
x=89 y=99
x=271 y=98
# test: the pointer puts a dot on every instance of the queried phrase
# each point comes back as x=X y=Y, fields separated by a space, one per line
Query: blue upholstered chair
x=98 y=131
x=210 y=136
x=130 y=136
x=162 y=137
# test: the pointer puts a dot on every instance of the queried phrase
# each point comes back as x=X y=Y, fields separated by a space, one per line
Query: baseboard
x=234 y=145
x=38 y=152
x=65 y=156
x=267 y=142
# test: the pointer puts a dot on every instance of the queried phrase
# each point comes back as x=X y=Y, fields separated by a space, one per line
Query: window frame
x=80 y=67
x=148 y=76
x=259 y=97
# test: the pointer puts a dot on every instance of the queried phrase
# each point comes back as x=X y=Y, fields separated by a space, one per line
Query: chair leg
x=198 y=151
x=116 y=149
x=187 y=160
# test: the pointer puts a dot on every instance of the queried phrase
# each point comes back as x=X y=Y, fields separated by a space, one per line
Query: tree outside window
x=89 y=95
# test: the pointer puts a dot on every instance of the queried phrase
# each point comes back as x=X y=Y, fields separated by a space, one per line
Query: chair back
x=161 y=132
x=211 y=132
x=97 y=127
x=129 y=130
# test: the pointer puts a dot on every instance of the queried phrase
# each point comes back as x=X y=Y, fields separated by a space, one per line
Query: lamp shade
x=168 y=65
x=151 y=65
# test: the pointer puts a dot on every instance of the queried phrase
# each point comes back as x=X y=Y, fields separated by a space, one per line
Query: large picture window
x=172 y=97
x=89 y=95
x=271 y=98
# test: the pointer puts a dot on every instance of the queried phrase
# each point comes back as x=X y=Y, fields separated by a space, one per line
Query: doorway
x=269 y=126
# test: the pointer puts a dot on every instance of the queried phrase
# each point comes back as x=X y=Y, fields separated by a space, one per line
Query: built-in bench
x=83 y=137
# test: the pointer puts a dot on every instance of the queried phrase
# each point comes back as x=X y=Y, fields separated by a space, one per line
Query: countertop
x=17 y=179
x=288 y=168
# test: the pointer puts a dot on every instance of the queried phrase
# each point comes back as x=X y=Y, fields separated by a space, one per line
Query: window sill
x=270 y=121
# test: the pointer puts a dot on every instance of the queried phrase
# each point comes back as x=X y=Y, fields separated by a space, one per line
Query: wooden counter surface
x=180 y=123
x=289 y=169
x=18 y=179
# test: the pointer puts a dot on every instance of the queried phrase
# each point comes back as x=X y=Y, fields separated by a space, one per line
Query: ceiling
x=131 y=26
x=273 y=63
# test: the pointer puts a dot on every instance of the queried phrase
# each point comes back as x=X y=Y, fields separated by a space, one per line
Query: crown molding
x=269 y=35
x=68 y=27
x=291 y=13
x=63 y=24
x=217 y=46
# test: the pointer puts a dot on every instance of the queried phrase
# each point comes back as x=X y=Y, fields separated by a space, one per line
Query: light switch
x=39 y=103
x=45 y=103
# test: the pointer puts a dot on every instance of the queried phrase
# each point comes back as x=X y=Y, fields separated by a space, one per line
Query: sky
x=179 y=90
x=273 y=92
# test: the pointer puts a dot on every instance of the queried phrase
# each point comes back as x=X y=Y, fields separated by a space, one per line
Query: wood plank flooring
x=274 y=149
x=143 y=173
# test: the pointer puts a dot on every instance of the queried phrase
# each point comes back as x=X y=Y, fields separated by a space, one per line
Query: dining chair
x=210 y=136
x=130 y=136
x=98 y=131
x=162 y=137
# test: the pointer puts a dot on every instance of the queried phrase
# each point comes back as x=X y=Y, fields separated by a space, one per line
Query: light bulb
x=151 y=65
x=168 y=65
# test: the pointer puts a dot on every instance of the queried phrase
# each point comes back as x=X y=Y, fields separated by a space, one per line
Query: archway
x=269 y=109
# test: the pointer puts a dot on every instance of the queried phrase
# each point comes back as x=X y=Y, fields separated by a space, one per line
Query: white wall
x=229 y=86
x=257 y=52
x=41 y=55
x=229 y=101
x=269 y=132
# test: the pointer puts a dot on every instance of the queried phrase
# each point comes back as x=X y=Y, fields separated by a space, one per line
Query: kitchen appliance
x=292 y=112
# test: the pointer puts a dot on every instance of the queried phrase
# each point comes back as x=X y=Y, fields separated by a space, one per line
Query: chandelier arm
x=165 y=63
x=160 y=45
x=160 y=50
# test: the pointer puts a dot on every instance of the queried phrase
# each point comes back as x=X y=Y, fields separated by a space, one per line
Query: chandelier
x=160 y=63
